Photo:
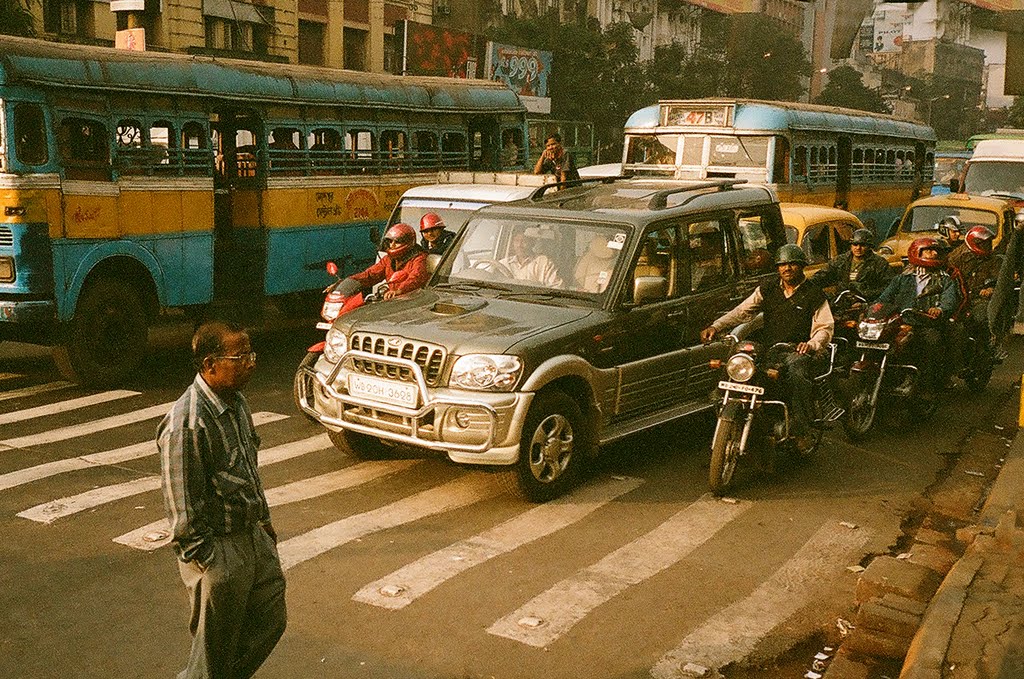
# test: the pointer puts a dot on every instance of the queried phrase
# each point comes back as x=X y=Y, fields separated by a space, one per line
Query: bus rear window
x=30 y=135
x=739 y=151
x=652 y=149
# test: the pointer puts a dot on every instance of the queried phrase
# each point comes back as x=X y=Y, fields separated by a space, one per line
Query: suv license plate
x=385 y=391
x=881 y=346
x=744 y=388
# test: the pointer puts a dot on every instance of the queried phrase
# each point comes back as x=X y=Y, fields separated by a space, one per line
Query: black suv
x=553 y=325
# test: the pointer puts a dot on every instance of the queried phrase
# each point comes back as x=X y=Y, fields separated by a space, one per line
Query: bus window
x=325 y=150
x=359 y=149
x=161 y=146
x=651 y=149
x=693 y=151
x=30 y=135
x=857 y=170
x=285 y=145
x=511 y=147
x=393 y=145
x=129 y=135
x=453 y=149
x=800 y=163
x=195 y=158
x=425 y=152
x=739 y=152
x=245 y=153
x=780 y=163
x=85 y=148
x=890 y=163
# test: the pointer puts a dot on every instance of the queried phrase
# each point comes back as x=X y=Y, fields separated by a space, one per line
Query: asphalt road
x=418 y=568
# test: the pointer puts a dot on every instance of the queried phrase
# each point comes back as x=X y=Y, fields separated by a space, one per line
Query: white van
x=996 y=168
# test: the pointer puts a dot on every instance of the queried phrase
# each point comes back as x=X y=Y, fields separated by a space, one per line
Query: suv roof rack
x=659 y=200
x=539 y=193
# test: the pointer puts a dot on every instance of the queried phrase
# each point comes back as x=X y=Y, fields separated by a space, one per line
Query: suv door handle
x=677 y=314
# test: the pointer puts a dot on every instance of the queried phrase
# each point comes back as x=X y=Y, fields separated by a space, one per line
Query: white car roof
x=999 y=149
x=480 y=193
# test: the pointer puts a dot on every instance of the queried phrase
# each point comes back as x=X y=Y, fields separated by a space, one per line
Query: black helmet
x=863 y=237
x=949 y=223
x=791 y=254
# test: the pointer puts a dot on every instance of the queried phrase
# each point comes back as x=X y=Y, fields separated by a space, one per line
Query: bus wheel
x=106 y=339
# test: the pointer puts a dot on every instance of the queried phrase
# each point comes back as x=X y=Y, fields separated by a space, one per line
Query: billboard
x=432 y=50
x=889 y=31
x=523 y=69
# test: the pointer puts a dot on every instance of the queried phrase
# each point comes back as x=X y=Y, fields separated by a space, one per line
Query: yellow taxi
x=922 y=218
x=822 y=232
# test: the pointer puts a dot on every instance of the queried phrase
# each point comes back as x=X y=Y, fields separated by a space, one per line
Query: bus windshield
x=733 y=151
x=652 y=149
x=989 y=177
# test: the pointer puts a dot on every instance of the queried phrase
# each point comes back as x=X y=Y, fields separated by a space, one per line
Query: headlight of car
x=486 y=372
x=740 y=367
x=868 y=330
x=335 y=346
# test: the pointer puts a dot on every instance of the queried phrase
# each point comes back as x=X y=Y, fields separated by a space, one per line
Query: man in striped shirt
x=220 y=521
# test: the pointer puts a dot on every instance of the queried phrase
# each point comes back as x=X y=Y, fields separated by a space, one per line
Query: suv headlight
x=486 y=372
x=740 y=367
x=335 y=345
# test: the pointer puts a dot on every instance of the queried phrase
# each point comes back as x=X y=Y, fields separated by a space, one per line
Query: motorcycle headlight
x=335 y=345
x=739 y=367
x=868 y=330
x=486 y=372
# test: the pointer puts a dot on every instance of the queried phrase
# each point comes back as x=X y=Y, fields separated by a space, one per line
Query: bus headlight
x=486 y=372
x=740 y=367
x=335 y=345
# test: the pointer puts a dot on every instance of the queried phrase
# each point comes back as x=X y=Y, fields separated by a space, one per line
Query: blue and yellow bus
x=870 y=164
x=134 y=183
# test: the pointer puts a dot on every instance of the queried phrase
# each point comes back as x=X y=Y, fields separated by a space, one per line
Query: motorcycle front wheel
x=725 y=451
x=860 y=416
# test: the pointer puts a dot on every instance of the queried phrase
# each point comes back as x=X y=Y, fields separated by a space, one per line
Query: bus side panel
x=90 y=209
x=75 y=258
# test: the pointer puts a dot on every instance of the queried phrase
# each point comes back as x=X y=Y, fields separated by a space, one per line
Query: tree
x=846 y=88
x=15 y=18
x=1015 y=114
x=764 y=61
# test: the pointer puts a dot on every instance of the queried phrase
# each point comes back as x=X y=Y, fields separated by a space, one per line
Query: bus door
x=239 y=252
x=484 y=139
x=844 y=161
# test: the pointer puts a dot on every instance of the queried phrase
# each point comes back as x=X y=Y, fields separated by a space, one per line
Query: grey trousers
x=238 y=606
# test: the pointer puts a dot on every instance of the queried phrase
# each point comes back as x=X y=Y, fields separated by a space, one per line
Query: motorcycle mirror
x=332 y=268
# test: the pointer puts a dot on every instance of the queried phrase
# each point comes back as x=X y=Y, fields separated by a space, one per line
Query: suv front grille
x=430 y=358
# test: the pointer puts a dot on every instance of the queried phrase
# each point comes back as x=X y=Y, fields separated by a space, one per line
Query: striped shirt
x=207 y=446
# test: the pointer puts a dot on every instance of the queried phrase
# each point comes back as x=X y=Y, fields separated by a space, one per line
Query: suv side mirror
x=954 y=185
x=649 y=289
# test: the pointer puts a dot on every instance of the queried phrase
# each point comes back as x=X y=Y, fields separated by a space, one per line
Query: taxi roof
x=962 y=200
x=802 y=215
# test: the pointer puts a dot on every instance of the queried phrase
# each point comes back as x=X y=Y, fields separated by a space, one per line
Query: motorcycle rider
x=793 y=313
x=860 y=270
x=951 y=230
x=436 y=238
x=978 y=271
x=926 y=285
x=404 y=266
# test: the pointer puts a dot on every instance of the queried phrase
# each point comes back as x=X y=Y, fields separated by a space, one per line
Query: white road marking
x=157 y=534
x=732 y=633
x=107 y=457
x=76 y=430
x=452 y=495
x=401 y=588
x=33 y=390
x=551 y=614
x=64 y=406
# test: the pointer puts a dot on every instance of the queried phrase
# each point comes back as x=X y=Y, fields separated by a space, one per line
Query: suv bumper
x=483 y=429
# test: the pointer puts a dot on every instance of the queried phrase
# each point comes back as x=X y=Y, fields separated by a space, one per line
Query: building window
x=67 y=17
x=355 y=49
x=237 y=26
x=311 y=43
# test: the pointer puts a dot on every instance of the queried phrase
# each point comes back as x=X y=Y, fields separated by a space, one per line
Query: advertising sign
x=889 y=31
x=524 y=70
x=432 y=50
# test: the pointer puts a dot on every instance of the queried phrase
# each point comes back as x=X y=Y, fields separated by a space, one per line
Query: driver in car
x=793 y=313
x=525 y=265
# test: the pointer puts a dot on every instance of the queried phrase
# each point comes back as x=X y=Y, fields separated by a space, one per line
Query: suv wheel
x=552 y=447
x=359 y=446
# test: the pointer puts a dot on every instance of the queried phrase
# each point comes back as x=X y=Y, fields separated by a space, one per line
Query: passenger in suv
x=494 y=369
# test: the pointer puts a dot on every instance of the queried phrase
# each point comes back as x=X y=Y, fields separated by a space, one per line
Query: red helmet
x=919 y=244
x=430 y=221
x=399 y=239
x=979 y=240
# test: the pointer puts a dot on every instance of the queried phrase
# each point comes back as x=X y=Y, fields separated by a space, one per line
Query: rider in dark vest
x=793 y=313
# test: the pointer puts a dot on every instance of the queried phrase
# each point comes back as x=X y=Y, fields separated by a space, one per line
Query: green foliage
x=846 y=88
x=15 y=19
x=1015 y=114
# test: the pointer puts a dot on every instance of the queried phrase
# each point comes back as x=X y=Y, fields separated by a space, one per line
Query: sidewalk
x=974 y=625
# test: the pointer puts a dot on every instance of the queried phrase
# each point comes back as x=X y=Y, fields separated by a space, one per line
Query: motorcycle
x=751 y=415
x=885 y=373
x=846 y=310
x=340 y=297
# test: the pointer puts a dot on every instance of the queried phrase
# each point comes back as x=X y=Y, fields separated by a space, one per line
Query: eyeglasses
x=248 y=358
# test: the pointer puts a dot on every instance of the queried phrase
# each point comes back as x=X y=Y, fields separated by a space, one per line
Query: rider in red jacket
x=404 y=266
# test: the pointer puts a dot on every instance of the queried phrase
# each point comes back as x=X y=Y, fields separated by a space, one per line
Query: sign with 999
x=524 y=70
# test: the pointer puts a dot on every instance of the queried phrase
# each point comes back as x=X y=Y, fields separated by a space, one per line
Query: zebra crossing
x=535 y=619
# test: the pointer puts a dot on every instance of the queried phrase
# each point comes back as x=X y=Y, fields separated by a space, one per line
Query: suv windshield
x=527 y=256
x=985 y=178
x=926 y=218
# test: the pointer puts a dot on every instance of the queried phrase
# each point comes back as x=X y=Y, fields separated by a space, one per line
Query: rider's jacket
x=923 y=289
x=976 y=272
x=402 y=276
x=810 y=301
x=439 y=246
x=871 y=278
x=788 y=319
